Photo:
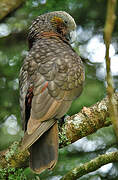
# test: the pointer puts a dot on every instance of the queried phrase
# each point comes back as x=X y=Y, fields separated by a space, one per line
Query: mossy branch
x=87 y=121
x=91 y=166
x=13 y=157
x=77 y=126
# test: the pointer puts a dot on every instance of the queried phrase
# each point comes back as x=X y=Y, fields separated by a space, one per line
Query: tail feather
x=29 y=139
x=44 y=152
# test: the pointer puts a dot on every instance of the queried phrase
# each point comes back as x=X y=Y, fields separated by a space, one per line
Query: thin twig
x=109 y=26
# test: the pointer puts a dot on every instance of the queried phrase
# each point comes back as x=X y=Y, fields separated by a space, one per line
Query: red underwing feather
x=45 y=86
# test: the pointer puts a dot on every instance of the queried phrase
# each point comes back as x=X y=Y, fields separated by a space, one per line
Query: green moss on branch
x=88 y=120
x=13 y=158
x=91 y=166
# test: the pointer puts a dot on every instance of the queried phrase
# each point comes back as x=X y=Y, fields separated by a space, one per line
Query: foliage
x=12 y=173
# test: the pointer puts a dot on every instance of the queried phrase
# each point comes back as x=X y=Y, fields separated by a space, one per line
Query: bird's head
x=58 y=22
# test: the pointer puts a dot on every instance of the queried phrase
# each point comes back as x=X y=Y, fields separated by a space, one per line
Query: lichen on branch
x=88 y=120
x=13 y=157
x=91 y=166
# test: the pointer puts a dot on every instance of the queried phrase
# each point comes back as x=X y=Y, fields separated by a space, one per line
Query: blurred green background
x=90 y=18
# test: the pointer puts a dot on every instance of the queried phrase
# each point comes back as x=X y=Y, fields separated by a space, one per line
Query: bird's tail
x=44 y=152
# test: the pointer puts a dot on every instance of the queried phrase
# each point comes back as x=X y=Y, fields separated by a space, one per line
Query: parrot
x=51 y=77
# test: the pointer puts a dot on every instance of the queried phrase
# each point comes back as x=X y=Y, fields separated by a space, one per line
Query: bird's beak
x=72 y=36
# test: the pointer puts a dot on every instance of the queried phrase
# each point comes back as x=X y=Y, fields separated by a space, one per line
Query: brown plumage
x=51 y=78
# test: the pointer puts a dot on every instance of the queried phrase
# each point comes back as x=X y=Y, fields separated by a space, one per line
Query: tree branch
x=7 y=6
x=12 y=157
x=91 y=166
x=87 y=121
x=109 y=26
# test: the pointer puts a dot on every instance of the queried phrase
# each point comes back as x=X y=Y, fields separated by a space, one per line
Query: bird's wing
x=43 y=105
x=23 y=84
x=29 y=139
x=40 y=107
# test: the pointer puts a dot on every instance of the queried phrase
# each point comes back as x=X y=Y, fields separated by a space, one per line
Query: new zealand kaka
x=51 y=77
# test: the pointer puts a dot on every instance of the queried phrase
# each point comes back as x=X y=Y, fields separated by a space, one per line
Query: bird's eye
x=65 y=22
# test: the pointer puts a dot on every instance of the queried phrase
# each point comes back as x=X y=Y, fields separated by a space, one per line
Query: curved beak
x=72 y=36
